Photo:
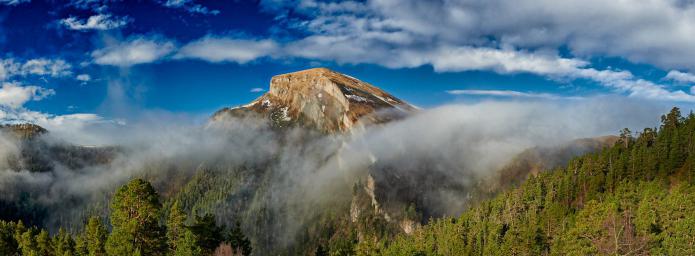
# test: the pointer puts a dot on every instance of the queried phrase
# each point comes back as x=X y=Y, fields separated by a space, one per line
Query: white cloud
x=654 y=32
x=8 y=68
x=257 y=90
x=501 y=61
x=552 y=66
x=220 y=49
x=133 y=51
x=190 y=7
x=14 y=95
x=71 y=127
x=95 y=22
x=83 y=77
x=41 y=67
x=54 y=68
x=681 y=77
x=508 y=93
x=454 y=36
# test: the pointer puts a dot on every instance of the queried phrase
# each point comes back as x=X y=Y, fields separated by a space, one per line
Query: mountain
x=323 y=99
x=23 y=130
x=291 y=193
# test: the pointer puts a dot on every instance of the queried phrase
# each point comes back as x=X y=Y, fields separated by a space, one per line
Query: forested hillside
x=138 y=227
x=635 y=198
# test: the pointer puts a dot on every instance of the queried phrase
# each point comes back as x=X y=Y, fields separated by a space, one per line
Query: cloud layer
x=457 y=36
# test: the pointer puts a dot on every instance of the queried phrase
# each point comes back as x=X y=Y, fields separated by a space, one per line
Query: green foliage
x=94 y=237
x=208 y=234
x=135 y=217
x=636 y=197
x=188 y=245
x=135 y=214
x=238 y=241
x=176 y=229
x=8 y=243
x=63 y=244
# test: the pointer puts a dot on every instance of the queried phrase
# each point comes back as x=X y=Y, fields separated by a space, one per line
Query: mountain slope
x=634 y=198
x=322 y=99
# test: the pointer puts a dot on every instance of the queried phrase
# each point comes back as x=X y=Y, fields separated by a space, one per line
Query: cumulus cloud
x=14 y=95
x=654 y=32
x=681 y=77
x=95 y=22
x=221 y=49
x=137 y=50
x=454 y=36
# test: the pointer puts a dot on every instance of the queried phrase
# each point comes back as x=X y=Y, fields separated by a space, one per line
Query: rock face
x=322 y=99
x=23 y=131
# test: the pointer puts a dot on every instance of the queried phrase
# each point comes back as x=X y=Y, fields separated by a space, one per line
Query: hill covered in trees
x=137 y=228
x=634 y=198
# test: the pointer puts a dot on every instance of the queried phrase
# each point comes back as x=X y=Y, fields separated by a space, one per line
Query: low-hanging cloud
x=463 y=142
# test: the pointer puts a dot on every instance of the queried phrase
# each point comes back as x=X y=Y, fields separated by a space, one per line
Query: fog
x=458 y=142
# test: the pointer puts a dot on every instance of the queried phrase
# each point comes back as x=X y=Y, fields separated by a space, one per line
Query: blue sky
x=93 y=59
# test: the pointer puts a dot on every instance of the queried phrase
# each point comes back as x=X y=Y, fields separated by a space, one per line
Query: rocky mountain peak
x=323 y=99
x=23 y=130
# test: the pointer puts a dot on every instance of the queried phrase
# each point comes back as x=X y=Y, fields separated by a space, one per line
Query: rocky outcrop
x=323 y=99
x=23 y=131
x=34 y=154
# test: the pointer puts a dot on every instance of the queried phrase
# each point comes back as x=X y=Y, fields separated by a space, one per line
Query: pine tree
x=43 y=243
x=238 y=241
x=8 y=243
x=27 y=242
x=95 y=237
x=209 y=235
x=81 y=246
x=175 y=227
x=188 y=245
x=63 y=243
x=135 y=214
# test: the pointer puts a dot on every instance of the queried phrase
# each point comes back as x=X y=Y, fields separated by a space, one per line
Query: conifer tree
x=176 y=229
x=95 y=237
x=207 y=232
x=135 y=214
x=63 y=244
